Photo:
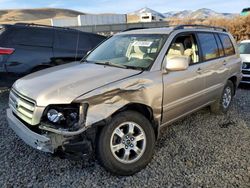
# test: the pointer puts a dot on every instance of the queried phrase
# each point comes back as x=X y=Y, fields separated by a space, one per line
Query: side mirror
x=177 y=63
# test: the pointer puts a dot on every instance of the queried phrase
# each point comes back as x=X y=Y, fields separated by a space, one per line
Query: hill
x=40 y=16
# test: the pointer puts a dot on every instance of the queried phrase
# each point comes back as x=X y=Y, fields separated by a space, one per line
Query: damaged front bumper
x=67 y=142
x=37 y=141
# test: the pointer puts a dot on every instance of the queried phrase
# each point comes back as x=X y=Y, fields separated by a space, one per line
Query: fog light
x=55 y=116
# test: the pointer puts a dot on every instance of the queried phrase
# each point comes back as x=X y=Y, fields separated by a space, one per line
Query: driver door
x=183 y=90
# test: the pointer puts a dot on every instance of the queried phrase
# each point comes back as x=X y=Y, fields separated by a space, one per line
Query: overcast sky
x=126 y=6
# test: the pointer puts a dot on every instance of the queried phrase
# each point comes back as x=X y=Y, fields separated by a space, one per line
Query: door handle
x=199 y=70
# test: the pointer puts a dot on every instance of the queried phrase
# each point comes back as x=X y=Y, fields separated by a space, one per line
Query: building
x=149 y=17
x=90 y=20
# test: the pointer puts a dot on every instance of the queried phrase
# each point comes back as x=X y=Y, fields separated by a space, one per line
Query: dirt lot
x=202 y=150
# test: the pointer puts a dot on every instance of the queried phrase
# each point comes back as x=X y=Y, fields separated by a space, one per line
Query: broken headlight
x=55 y=116
x=64 y=116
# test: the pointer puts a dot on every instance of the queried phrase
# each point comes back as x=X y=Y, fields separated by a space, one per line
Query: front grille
x=22 y=106
x=246 y=71
x=245 y=65
x=246 y=79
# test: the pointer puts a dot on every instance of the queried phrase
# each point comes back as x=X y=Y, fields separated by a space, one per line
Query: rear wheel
x=222 y=105
x=125 y=146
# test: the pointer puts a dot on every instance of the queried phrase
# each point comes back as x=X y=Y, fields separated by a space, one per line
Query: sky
x=126 y=6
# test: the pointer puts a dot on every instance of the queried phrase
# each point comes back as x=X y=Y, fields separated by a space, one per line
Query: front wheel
x=126 y=145
x=222 y=105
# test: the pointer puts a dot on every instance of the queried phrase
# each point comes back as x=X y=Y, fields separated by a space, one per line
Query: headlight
x=64 y=116
x=55 y=116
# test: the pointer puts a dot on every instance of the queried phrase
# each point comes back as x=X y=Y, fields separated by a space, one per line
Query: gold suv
x=117 y=99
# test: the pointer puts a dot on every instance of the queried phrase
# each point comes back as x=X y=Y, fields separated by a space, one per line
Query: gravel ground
x=202 y=150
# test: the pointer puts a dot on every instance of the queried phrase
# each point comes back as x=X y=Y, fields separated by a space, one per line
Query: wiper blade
x=133 y=67
x=111 y=64
x=116 y=65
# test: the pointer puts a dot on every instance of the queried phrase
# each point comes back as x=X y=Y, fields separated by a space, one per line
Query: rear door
x=214 y=69
x=32 y=47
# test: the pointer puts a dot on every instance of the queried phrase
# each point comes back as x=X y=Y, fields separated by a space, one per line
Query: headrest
x=176 y=49
x=139 y=49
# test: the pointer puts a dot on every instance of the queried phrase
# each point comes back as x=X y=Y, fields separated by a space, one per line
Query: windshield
x=137 y=51
x=244 y=48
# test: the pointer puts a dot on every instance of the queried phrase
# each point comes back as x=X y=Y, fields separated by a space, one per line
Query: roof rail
x=40 y=25
x=134 y=28
x=200 y=27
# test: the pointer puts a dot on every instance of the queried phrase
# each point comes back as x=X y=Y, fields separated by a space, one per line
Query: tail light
x=6 y=51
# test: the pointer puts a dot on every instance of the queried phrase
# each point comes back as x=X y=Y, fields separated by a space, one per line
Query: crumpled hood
x=245 y=57
x=63 y=84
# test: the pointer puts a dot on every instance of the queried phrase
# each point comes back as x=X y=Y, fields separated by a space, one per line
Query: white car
x=244 y=48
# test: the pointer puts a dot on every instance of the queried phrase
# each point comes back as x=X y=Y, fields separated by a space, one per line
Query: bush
x=238 y=26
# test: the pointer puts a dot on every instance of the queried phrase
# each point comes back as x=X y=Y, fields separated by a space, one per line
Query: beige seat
x=139 y=53
x=176 y=50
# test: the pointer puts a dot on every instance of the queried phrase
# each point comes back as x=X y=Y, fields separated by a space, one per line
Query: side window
x=96 y=39
x=33 y=37
x=66 y=40
x=220 y=47
x=208 y=46
x=227 y=44
x=84 y=42
x=184 y=45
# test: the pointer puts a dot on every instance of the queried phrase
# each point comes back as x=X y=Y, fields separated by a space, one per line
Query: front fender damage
x=105 y=101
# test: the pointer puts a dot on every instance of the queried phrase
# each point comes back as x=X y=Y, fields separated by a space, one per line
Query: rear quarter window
x=96 y=39
x=33 y=37
x=84 y=42
x=66 y=40
x=227 y=44
x=208 y=46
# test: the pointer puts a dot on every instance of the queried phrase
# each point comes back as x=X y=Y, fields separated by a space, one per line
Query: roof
x=36 y=26
x=168 y=30
x=39 y=26
x=164 y=30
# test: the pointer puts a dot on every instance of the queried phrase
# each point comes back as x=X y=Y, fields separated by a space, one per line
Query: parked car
x=116 y=101
x=26 y=48
x=244 y=49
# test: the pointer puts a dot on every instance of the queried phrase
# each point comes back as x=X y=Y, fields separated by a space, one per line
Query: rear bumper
x=37 y=141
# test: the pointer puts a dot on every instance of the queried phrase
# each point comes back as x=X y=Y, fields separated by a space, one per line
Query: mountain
x=147 y=10
x=41 y=16
x=198 y=14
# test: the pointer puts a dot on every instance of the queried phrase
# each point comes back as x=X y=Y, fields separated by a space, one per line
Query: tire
x=118 y=162
x=221 y=106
